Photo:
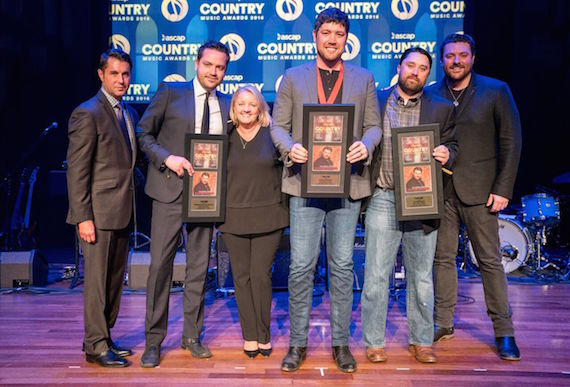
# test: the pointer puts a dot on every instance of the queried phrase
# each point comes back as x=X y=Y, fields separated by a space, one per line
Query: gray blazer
x=161 y=132
x=298 y=87
x=100 y=168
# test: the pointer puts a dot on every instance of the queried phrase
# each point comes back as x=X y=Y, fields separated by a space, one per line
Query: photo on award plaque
x=417 y=175
x=327 y=134
x=204 y=192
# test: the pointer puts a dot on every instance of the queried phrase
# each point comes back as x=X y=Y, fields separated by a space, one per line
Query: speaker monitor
x=139 y=263
x=22 y=268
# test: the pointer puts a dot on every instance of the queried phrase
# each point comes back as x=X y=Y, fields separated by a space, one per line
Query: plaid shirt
x=399 y=113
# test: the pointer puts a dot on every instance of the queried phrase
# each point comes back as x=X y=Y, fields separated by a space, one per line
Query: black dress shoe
x=195 y=347
x=251 y=354
x=265 y=351
x=507 y=348
x=442 y=333
x=122 y=352
x=292 y=361
x=344 y=360
x=107 y=359
x=151 y=357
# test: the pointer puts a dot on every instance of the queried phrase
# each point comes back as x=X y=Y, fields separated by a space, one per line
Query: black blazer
x=433 y=109
x=489 y=136
x=161 y=131
x=99 y=166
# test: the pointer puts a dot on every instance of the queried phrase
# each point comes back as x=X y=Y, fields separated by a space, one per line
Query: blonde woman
x=255 y=215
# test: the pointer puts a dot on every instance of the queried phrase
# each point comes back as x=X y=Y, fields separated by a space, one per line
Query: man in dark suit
x=101 y=158
x=406 y=104
x=177 y=109
x=489 y=136
x=327 y=80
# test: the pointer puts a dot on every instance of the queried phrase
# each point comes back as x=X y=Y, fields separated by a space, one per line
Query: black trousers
x=252 y=257
x=166 y=226
x=105 y=262
x=483 y=230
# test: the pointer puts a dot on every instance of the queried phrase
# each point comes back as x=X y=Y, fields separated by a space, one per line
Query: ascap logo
x=174 y=10
x=235 y=44
x=404 y=9
x=119 y=41
x=278 y=83
x=289 y=10
x=352 y=48
x=174 y=78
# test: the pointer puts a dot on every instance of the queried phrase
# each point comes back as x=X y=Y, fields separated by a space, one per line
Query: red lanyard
x=335 y=90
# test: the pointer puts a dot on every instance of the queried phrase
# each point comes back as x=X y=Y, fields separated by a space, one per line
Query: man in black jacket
x=489 y=136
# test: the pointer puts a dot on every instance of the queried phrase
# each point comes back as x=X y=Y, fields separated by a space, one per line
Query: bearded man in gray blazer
x=101 y=159
x=338 y=82
x=177 y=109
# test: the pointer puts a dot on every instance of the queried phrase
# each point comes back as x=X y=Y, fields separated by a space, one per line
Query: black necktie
x=206 y=116
x=123 y=126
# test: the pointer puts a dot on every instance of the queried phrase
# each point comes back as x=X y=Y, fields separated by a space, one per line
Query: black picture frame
x=327 y=134
x=204 y=193
x=418 y=186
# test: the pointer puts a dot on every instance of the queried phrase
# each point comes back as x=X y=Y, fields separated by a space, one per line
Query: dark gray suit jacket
x=100 y=168
x=161 y=132
x=489 y=136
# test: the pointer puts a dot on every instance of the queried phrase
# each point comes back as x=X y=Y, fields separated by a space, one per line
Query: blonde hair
x=264 y=118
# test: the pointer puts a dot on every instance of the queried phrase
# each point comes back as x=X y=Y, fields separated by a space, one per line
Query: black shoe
x=251 y=354
x=122 y=352
x=442 y=333
x=151 y=357
x=344 y=360
x=107 y=359
x=265 y=351
x=195 y=347
x=292 y=361
x=507 y=348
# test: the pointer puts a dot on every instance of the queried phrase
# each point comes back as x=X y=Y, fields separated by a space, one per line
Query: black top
x=254 y=203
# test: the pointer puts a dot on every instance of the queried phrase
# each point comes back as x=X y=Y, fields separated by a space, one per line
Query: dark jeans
x=482 y=227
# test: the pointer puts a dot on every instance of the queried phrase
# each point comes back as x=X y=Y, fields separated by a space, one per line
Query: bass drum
x=516 y=244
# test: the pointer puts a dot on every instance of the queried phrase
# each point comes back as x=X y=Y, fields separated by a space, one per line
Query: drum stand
x=539 y=241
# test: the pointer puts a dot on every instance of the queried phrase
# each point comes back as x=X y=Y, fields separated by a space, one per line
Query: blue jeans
x=383 y=236
x=306 y=223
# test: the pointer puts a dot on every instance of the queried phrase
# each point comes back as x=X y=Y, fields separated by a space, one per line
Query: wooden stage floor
x=41 y=335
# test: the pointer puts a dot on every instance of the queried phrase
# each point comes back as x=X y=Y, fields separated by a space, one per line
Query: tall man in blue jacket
x=489 y=136
x=327 y=80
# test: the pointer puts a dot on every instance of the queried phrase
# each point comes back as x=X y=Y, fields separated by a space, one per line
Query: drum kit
x=524 y=235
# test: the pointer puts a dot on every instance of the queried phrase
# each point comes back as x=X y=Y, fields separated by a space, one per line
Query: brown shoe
x=376 y=354
x=423 y=353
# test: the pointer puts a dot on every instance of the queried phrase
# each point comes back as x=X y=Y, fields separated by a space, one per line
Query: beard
x=458 y=77
x=410 y=88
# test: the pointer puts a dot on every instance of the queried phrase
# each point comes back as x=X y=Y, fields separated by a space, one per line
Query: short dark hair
x=455 y=38
x=116 y=53
x=205 y=174
x=418 y=169
x=418 y=50
x=327 y=148
x=332 y=15
x=215 y=46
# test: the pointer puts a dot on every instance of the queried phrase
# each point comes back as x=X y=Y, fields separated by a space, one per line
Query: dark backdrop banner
x=267 y=37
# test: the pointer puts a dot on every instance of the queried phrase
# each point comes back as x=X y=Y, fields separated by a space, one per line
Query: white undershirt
x=216 y=126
